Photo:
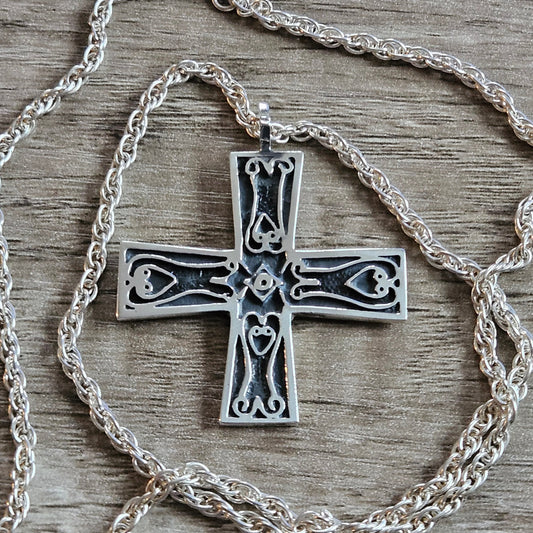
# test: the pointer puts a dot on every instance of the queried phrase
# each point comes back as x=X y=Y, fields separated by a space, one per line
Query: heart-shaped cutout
x=151 y=281
x=261 y=339
x=372 y=282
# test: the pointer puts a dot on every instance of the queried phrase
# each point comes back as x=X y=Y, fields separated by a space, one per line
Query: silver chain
x=22 y=431
x=481 y=443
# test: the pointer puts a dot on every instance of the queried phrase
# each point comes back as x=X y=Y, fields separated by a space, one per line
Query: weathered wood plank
x=380 y=405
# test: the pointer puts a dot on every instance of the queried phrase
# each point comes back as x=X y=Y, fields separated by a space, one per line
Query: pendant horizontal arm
x=365 y=284
x=159 y=280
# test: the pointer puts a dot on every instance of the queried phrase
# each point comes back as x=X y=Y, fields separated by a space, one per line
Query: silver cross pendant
x=261 y=283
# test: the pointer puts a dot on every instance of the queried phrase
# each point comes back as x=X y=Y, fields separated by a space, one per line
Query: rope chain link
x=481 y=443
x=22 y=431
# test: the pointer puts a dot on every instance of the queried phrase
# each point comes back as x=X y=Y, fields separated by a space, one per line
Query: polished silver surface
x=262 y=283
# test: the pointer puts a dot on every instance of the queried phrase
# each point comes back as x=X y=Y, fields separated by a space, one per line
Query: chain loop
x=386 y=50
x=480 y=445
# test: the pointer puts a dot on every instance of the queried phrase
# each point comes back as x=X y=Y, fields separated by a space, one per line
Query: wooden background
x=380 y=405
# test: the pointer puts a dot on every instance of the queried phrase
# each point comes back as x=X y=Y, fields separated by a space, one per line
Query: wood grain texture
x=380 y=405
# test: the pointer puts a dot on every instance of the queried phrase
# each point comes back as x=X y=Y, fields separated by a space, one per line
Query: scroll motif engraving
x=353 y=282
x=262 y=283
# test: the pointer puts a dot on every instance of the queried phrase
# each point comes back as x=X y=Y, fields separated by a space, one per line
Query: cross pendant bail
x=265 y=133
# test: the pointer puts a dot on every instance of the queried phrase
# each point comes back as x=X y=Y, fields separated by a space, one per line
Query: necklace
x=481 y=443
